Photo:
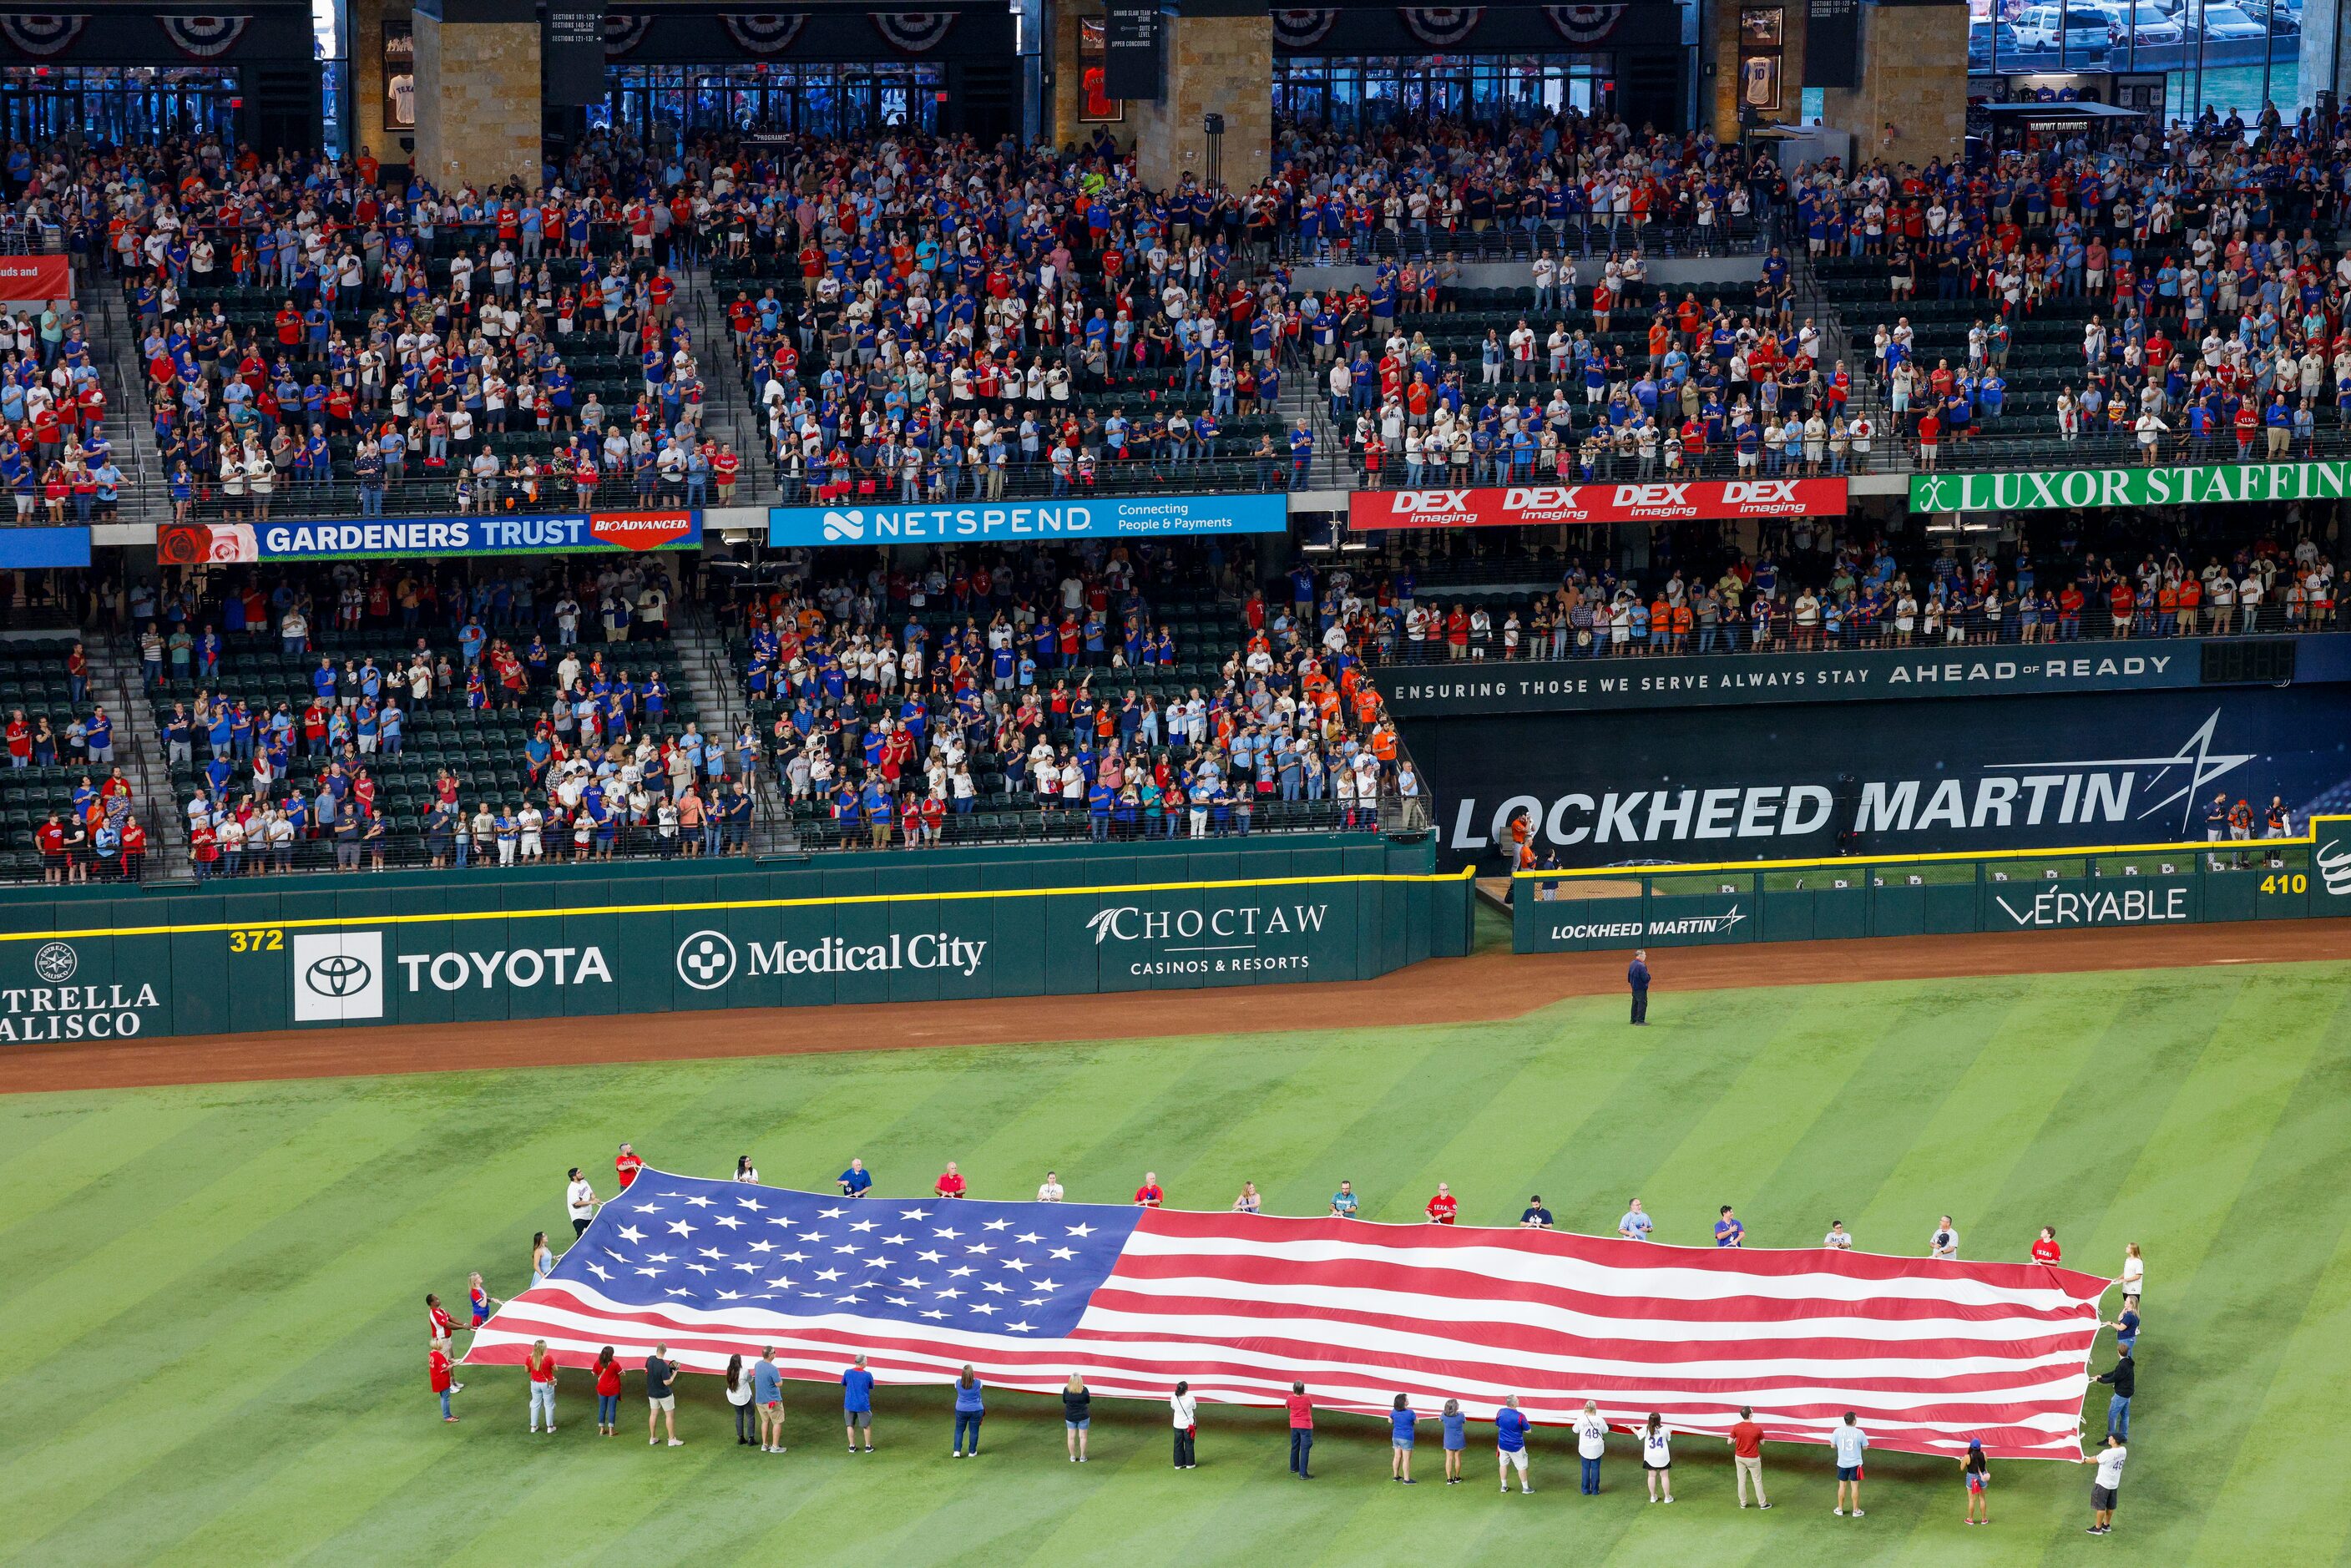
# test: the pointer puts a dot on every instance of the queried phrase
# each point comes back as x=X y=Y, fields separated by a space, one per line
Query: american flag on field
x=1929 y=1354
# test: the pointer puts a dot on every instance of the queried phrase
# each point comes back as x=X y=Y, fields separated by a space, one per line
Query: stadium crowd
x=560 y=741
x=1043 y=680
x=2176 y=293
x=1814 y=585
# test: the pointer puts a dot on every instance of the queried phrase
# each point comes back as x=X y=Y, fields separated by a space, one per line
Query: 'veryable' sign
x=1537 y=505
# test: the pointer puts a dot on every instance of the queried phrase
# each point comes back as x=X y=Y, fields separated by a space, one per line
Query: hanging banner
x=35 y=280
x=352 y=538
x=1549 y=506
x=2041 y=490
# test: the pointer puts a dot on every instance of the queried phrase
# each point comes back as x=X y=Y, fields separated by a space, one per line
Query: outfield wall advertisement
x=2143 y=887
x=406 y=961
x=1725 y=784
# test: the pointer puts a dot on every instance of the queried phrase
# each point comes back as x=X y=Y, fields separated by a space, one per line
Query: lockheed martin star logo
x=2195 y=754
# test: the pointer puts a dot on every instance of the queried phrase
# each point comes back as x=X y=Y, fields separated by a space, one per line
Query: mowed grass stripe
x=82 y=1140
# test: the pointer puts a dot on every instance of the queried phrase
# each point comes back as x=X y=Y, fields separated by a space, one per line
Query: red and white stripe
x=1930 y=1354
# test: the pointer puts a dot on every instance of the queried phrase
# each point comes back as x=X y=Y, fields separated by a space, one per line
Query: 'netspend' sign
x=1065 y=518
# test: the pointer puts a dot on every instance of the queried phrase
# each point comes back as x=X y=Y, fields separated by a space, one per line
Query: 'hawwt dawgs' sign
x=2055 y=488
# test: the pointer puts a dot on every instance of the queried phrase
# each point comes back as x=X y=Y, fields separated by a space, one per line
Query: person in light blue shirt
x=1400 y=1421
x=968 y=1410
x=1510 y=1444
x=1456 y=1439
x=1636 y=1225
x=1850 y=1443
x=1344 y=1202
x=857 y=1404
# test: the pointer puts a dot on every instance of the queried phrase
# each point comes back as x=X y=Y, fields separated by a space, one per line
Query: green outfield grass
x=213 y=1295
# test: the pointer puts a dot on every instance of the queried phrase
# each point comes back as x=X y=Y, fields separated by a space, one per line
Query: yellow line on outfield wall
x=349 y=920
x=2055 y=852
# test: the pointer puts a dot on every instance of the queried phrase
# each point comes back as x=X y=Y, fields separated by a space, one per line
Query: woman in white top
x=1248 y=1202
x=1187 y=1412
x=745 y=1171
x=738 y=1394
x=2134 y=1276
x=1657 y=1456
x=1590 y=1445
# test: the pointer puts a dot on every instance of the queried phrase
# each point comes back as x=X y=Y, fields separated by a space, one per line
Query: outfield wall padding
x=483 y=947
x=2303 y=877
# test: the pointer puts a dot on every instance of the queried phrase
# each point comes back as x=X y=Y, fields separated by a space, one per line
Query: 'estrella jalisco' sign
x=2050 y=489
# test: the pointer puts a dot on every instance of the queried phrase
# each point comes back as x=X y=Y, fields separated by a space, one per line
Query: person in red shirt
x=1301 y=1431
x=1148 y=1195
x=608 y=1393
x=49 y=838
x=626 y=1165
x=540 y=1363
x=950 y=1182
x=439 y=1327
x=2045 y=1249
x=1747 y=1456
x=1443 y=1206
x=135 y=851
x=444 y=1379
x=20 y=740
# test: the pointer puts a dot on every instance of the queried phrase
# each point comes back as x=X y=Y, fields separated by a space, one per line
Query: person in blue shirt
x=1400 y=1421
x=1510 y=1444
x=1636 y=976
x=968 y=1410
x=856 y=1181
x=856 y=1406
x=1457 y=1440
x=1728 y=1232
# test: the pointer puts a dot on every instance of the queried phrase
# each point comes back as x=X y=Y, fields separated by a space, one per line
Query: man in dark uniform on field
x=1636 y=975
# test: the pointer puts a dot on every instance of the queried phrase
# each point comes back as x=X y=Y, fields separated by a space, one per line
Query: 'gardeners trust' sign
x=2065 y=488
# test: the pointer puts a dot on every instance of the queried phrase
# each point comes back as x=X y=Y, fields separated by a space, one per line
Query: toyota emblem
x=338 y=975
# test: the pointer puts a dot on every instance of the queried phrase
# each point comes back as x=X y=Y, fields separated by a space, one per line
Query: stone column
x=477 y=92
x=1222 y=65
x=1912 y=104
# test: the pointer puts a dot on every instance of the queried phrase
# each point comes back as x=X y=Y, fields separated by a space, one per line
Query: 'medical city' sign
x=2049 y=489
